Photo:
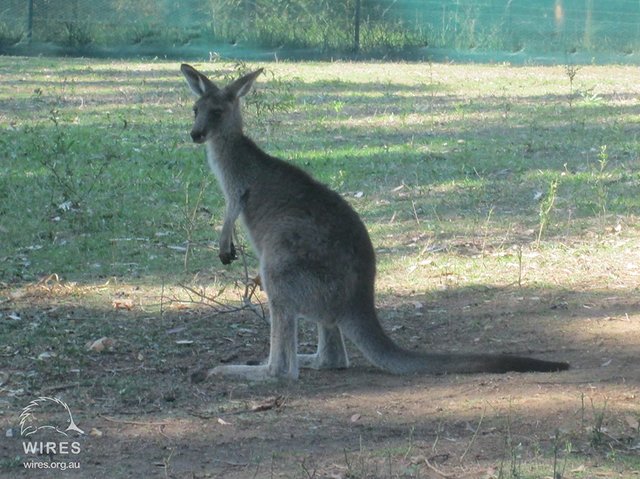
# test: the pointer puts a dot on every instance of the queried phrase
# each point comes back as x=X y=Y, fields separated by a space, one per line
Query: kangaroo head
x=217 y=110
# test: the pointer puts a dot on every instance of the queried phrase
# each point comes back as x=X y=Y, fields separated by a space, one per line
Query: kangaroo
x=316 y=258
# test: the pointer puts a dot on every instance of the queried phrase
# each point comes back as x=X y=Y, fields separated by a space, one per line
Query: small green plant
x=600 y=174
x=309 y=468
x=507 y=104
x=338 y=106
x=559 y=466
x=571 y=71
x=72 y=179
x=520 y=266
x=546 y=207
x=511 y=460
x=357 y=468
x=598 y=436
x=190 y=221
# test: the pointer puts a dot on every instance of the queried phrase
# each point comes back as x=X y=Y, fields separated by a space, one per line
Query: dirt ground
x=153 y=421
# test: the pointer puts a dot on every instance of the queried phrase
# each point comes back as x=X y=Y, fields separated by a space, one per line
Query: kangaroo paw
x=226 y=257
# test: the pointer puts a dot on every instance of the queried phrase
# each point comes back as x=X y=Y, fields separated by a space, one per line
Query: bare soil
x=144 y=417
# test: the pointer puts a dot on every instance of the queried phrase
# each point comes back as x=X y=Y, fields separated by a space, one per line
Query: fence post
x=356 y=31
x=29 y=21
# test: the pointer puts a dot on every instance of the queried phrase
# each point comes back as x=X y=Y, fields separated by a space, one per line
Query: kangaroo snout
x=198 y=136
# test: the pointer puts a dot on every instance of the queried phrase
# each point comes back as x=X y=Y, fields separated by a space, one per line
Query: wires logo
x=47 y=428
x=31 y=420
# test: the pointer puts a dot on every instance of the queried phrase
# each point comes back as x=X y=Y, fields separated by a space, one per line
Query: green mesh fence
x=495 y=30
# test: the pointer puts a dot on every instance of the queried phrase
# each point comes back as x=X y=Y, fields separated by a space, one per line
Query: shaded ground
x=144 y=418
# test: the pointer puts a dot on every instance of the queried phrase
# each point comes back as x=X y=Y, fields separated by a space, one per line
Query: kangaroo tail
x=367 y=334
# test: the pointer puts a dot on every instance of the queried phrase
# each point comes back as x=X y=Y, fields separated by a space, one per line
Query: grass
x=469 y=178
x=84 y=164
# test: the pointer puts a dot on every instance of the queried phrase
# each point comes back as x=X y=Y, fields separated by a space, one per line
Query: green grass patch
x=100 y=180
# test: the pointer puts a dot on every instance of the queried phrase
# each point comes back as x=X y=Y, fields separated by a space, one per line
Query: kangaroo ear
x=198 y=83
x=242 y=85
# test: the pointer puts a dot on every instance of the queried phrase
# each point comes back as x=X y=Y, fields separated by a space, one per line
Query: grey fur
x=316 y=258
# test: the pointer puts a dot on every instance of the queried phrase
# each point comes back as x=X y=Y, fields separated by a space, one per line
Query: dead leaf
x=46 y=355
x=632 y=422
x=96 y=432
x=123 y=303
x=180 y=306
x=228 y=358
x=223 y=422
x=66 y=206
x=18 y=294
x=177 y=330
x=356 y=417
x=100 y=345
x=270 y=403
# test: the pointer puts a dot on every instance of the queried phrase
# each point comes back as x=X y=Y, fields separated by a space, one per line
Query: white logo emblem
x=31 y=421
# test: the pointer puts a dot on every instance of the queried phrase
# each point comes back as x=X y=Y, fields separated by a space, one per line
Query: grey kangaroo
x=316 y=259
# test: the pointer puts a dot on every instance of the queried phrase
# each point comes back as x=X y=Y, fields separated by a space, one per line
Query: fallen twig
x=133 y=423
x=201 y=298
x=436 y=470
x=207 y=300
x=232 y=463
x=271 y=403
x=59 y=387
x=475 y=435
x=275 y=402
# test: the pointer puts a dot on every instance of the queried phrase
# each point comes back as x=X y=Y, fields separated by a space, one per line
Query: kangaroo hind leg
x=331 y=353
x=282 y=362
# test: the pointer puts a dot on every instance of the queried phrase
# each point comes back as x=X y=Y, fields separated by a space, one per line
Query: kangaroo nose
x=197 y=136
